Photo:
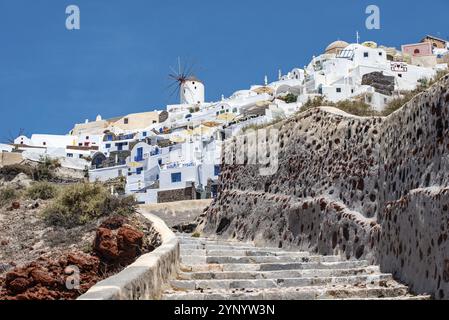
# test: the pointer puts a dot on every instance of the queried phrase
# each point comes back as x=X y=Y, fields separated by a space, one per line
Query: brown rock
x=128 y=236
x=114 y=223
x=43 y=277
x=15 y=205
x=105 y=245
x=16 y=273
x=18 y=285
x=83 y=261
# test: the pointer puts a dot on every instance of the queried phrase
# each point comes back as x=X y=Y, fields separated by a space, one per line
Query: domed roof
x=193 y=78
x=336 y=45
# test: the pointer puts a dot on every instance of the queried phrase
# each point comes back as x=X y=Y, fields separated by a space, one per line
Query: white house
x=6 y=148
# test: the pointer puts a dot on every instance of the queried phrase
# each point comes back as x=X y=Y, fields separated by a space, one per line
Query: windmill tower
x=191 y=90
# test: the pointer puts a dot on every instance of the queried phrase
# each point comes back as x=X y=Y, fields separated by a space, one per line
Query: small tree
x=45 y=169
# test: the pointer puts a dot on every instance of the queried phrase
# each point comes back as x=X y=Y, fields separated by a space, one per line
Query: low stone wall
x=188 y=193
x=144 y=279
x=10 y=158
x=178 y=213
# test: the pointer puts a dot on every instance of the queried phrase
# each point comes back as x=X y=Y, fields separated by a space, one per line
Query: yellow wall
x=137 y=121
x=9 y=158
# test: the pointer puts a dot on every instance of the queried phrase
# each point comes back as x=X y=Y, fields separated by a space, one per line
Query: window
x=139 y=156
x=234 y=110
x=120 y=173
x=44 y=143
x=126 y=121
x=80 y=156
x=366 y=54
x=176 y=177
x=338 y=90
x=217 y=170
x=87 y=138
x=416 y=51
x=144 y=133
x=159 y=161
x=380 y=54
x=139 y=170
x=69 y=155
x=108 y=145
x=352 y=90
x=218 y=113
x=400 y=75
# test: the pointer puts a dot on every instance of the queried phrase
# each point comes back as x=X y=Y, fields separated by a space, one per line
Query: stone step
x=406 y=297
x=242 y=252
x=277 y=274
x=366 y=280
x=229 y=267
x=216 y=242
x=255 y=259
x=303 y=293
x=227 y=247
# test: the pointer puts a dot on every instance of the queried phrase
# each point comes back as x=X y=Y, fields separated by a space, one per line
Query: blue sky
x=118 y=63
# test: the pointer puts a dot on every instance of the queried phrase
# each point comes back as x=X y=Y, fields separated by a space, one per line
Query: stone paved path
x=223 y=270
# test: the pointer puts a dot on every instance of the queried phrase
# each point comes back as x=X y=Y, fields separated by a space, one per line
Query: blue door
x=139 y=156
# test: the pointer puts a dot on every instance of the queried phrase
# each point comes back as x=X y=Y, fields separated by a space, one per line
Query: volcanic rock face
x=381 y=83
x=372 y=188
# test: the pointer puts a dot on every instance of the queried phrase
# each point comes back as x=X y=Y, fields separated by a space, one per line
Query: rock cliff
x=365 y=188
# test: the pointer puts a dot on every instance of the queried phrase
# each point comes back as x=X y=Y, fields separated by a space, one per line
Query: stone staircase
x=224 y=270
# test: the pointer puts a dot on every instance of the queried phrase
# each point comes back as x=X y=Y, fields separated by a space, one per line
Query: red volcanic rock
x=129 y=237
x=130 y=242
x=43 y=277
x=83 y=261
x=15 y=206
x=114 y=223
x=118 y=247
x=18 y=285
x=105 y=245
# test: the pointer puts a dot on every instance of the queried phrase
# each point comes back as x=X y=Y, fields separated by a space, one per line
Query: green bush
x=45 y=169
x=358 y=108
x=289 y=98
x=82 y=203
x=42 y=190
x=7 y=195
x=407 y=96
x=314 y=103
x=11 y=171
